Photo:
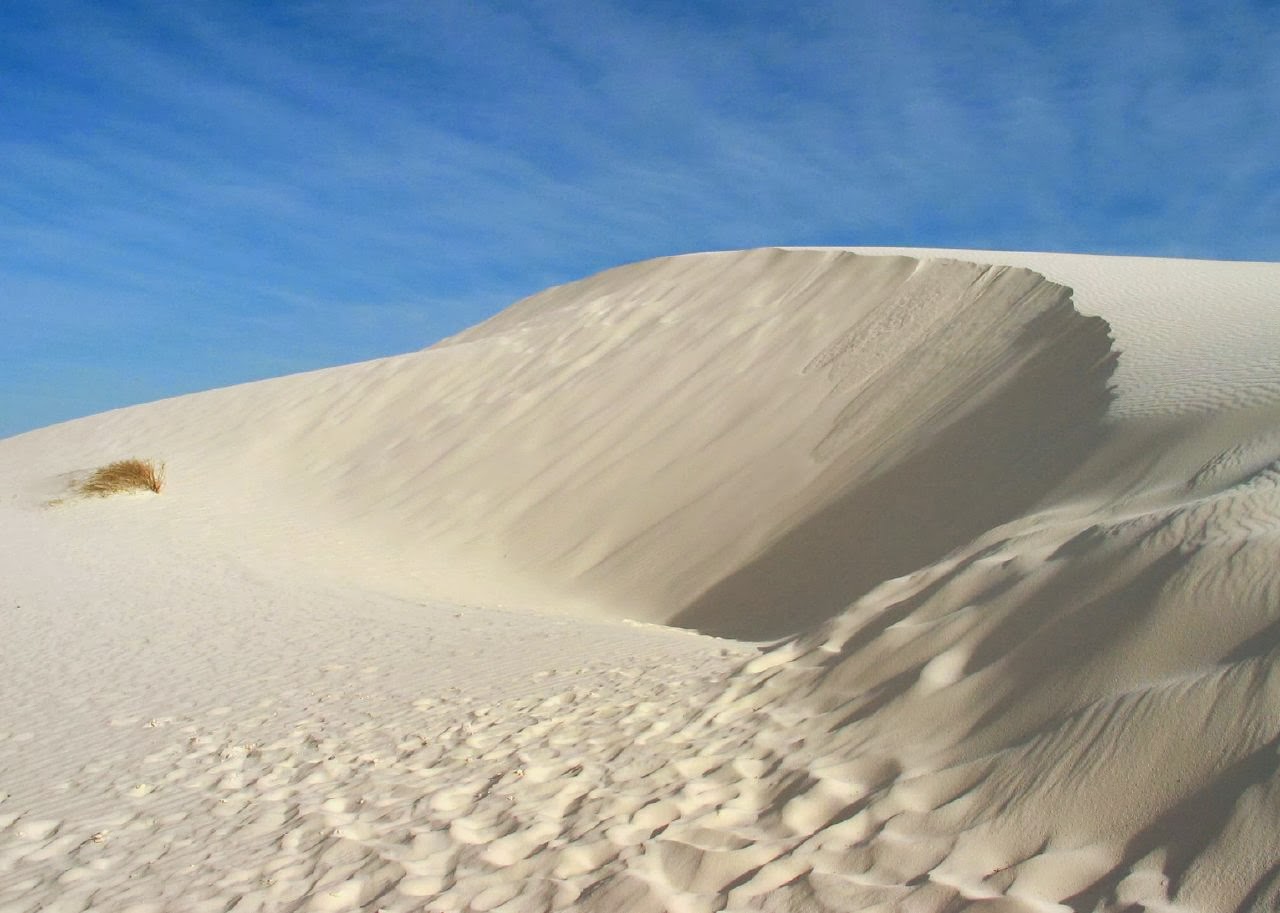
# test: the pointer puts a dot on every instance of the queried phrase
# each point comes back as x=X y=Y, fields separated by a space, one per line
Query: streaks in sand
x=1065 y=700
x=924 y=748
x=378 y=766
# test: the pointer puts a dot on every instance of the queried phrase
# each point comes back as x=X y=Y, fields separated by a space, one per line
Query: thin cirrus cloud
x=203 y=193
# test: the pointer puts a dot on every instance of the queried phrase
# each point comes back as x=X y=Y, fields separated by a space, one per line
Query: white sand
x=367 y=650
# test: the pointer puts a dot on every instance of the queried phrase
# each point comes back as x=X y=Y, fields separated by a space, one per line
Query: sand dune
x=649 y=443
x=1015 y=517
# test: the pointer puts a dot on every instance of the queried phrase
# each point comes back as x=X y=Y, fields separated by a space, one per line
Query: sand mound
x=1078 y=707
x=1032 y=620
x=739 y=443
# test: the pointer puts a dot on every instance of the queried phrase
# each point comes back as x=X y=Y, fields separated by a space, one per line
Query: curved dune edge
x=808 y=425
x=1074 y=709
x=739 y=443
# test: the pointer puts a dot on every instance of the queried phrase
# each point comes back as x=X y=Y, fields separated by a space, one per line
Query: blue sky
x=200 y=193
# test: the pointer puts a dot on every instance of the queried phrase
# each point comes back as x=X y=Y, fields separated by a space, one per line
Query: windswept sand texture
x=1017 y=526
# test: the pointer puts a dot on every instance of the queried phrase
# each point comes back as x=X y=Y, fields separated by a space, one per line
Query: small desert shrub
x=124 y=475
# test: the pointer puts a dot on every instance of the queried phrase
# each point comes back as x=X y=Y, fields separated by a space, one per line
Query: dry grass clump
x=124 y=475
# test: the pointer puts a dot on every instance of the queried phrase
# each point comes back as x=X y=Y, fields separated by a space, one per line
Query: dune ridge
x=641 y=443
x=1022 y=577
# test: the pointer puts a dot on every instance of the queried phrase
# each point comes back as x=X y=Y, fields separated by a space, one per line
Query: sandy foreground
x=780 y=580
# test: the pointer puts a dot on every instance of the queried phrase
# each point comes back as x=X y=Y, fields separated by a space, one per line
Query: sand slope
x=655 y=441
x=1019 y=523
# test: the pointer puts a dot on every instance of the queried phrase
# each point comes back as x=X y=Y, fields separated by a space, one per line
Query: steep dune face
x=741 y=443
x=806 y=426
x=995 y=435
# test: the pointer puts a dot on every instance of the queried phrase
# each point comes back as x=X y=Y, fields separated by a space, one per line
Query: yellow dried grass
x=124 y=475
